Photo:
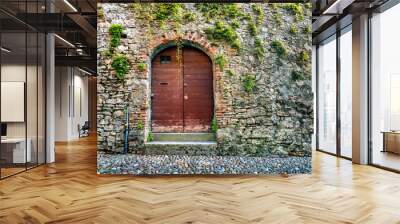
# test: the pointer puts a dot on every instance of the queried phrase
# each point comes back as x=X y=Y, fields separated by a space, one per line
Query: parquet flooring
x=70 y=191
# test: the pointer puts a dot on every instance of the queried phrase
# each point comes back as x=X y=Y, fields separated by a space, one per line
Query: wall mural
x=204 y=88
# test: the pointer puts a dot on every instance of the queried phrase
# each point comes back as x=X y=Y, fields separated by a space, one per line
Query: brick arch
x=192 y=39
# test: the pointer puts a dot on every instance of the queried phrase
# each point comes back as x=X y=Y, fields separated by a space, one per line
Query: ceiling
x=332 y=15
x=74 y=22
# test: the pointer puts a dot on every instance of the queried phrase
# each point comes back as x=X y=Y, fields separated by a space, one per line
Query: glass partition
x=327 y=95
x=346 y=93
x=22 y=88
x=385 y=89
x=14 y=153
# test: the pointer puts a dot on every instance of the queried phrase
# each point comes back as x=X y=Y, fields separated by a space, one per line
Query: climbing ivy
x=219 y=11
x=221 y=61
x=189 y=16
x=120 y=64
x=296 y=9
x=115 y=31
x=249 y=83
x=223 y=32
x=173 y=11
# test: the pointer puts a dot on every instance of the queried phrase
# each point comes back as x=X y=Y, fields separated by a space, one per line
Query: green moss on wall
x=189 y=17
x=164 y=11
x=120 y=64
x=252 y=29
x=259 y=49
x=249 y=83
x=259 y=12
x=115 y=31
x=296 y=9
x=277 y=18
x=221 y=61
x=279 y=48
x=140 y=125
x=100 y=13
x=293 y=29
x=150 y=137
x=219 y=11
x=214 y=125
x=297 y=75
x=307 y=29
x=303 y=58
x=230 y=73
x=223 y=33
x=142 y=67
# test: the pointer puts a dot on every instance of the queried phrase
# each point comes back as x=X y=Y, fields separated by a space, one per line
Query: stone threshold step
x=181 y=143
x=183 y=137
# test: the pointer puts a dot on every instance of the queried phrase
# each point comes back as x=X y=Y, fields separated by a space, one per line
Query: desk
x=391 y=141
x=15 y=148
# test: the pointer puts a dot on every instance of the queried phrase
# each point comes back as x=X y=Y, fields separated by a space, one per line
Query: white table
x=19 y=154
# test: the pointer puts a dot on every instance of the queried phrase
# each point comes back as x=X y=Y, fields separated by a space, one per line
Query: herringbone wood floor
x=70 y=191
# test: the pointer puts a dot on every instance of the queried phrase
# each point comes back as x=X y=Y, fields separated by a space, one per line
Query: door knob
x=186 y=97
x=184 y=84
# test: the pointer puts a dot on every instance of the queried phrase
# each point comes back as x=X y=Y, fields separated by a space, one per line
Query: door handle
x=185 y=84
x=163 y=83
x=186 y=97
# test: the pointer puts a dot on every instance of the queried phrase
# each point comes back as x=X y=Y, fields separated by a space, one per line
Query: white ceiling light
x=65 y=41
x=70 y=5
x=5 y=50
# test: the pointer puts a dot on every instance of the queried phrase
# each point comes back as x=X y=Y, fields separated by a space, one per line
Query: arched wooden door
x=182 y=91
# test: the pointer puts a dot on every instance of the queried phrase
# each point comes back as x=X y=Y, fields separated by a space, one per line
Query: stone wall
x=263 y=95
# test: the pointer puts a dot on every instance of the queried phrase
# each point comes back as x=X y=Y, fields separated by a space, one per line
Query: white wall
x=71 y=102
x=16 y=73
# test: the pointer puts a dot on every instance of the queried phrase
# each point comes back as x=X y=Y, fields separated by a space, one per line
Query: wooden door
x=167 y=93
x=197 y=91
x=182 y=91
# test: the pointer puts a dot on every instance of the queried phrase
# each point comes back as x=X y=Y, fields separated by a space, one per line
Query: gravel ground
x=180 y=164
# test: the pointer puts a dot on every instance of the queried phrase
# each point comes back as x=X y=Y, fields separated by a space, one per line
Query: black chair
x=84 y=130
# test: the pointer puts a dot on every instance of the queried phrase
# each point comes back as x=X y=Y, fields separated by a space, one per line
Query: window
x=165 y=59
x=385 y=89
x=327 y=95
x=346 y=92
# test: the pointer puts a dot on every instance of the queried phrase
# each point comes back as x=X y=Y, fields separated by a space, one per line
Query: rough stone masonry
x=263 y=91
